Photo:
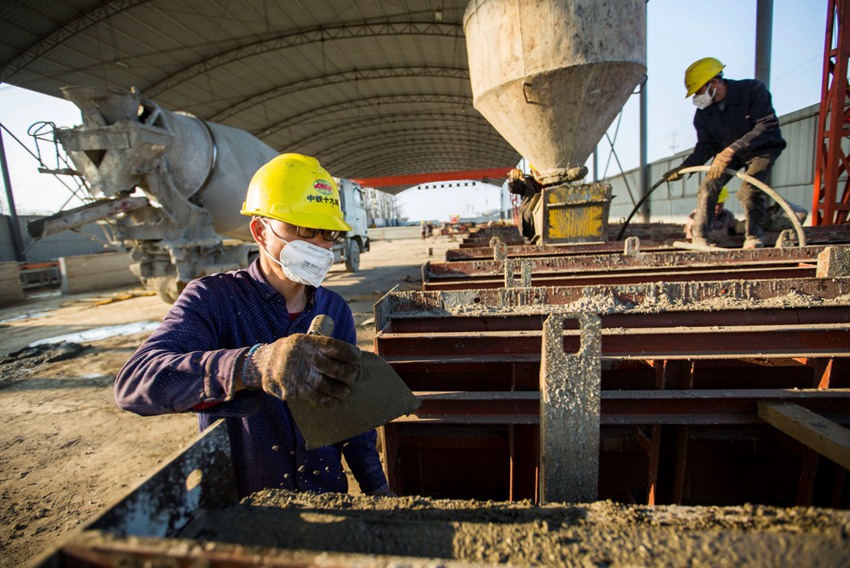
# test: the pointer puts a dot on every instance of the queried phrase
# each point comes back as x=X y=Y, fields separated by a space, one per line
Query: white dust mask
x=704 y=100
x=303 y=262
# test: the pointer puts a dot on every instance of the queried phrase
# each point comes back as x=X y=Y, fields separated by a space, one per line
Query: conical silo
x=551 y=75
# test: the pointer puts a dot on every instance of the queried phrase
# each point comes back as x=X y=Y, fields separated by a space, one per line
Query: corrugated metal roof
x=371 y=88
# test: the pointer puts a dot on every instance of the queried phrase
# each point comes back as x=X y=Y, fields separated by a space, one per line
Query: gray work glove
x=673 y=175
x=318 y=368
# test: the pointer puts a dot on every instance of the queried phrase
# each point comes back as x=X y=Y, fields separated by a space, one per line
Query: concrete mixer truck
x=171 y=186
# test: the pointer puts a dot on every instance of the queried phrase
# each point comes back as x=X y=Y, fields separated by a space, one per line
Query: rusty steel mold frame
x=527 y=251
x=653 y=237
x=155 y=523
x=723 y=264
x=651 y=297
x=163 y=504
x=817 y=337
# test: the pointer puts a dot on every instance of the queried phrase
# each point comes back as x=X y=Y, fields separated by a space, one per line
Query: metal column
x=764 y=37
x=14 y=227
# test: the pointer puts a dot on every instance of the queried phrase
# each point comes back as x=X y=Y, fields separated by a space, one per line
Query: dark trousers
x=526 y=213
x=752 y=198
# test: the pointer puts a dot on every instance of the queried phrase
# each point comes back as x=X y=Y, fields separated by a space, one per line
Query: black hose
x=639 y=203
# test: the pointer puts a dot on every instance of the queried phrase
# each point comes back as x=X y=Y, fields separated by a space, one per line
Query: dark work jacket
x=191 y=361
x=747 y=123
x=526 y=188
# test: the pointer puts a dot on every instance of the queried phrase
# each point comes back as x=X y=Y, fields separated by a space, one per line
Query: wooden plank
x=823 y=436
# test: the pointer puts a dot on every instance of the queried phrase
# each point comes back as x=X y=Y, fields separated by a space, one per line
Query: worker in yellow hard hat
x=723 y=222
x=736 y=127
x=234 y=345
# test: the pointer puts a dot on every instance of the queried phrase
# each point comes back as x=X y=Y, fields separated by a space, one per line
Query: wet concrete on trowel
x=522 y=533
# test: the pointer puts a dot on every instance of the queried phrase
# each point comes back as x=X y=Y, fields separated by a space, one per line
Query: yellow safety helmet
x=296 y=189
x=701 y=72
x=723 y=195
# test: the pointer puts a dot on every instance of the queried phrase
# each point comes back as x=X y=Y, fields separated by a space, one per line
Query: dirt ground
x=66 y=451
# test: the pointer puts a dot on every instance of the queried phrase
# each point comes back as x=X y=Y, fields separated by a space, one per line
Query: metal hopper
x=550 y=76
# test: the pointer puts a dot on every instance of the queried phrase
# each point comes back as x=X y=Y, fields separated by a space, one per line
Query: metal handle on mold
x=526 y=89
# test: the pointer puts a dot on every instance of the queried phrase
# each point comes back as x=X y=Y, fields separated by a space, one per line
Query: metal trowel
x=377 y=396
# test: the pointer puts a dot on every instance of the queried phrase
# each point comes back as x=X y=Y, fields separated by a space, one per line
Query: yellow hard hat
x=723 y=195
x=296 y=189
x=701 y=72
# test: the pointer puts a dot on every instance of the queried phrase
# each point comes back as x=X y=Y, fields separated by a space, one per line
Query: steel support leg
x=523 y=446
x=808 y=471
x=570 y=412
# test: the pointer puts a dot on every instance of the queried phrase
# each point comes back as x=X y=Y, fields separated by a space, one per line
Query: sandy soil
x=596 y=534
x=67 y=452
x=280 y=528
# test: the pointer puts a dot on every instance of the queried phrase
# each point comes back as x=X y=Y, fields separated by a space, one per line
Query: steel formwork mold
x=678 y=361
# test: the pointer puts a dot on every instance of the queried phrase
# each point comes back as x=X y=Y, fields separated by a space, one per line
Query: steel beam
x=831 y=159
x=706 y=407
x=728 y=341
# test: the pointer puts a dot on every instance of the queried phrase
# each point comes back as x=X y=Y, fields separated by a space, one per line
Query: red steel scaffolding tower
x=831 y=160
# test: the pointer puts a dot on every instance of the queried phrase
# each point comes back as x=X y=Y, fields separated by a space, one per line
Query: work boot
x=702 y=242
x=753 y=243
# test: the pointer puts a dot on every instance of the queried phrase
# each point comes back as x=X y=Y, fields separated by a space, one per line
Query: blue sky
x=679 y=32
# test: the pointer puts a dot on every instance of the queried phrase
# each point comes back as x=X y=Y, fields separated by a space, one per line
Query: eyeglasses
x=309 y=233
